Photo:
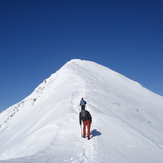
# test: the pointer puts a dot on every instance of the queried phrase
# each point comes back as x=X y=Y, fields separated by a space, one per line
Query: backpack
x=84 y=115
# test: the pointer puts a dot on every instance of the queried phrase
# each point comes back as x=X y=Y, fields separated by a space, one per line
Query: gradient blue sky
x=37 y=37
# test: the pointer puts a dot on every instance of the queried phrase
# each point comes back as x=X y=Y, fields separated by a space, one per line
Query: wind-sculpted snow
x=44 y=127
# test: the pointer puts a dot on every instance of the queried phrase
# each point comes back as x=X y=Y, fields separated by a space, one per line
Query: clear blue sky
x=37 y=37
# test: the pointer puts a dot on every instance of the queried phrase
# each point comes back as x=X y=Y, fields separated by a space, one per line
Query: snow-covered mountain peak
x=44 y=127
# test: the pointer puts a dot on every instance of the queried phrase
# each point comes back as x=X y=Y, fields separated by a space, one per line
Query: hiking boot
x=89 y=138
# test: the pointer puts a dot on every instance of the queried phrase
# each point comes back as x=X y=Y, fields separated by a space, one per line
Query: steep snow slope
x=44 y=127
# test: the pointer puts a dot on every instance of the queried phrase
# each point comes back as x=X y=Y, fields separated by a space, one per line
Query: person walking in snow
x=82 y=103
x=86 y=118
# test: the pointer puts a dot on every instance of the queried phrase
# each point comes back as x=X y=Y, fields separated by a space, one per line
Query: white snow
x=44 y=127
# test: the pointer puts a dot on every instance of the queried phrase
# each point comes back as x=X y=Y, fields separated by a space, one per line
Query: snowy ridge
x=44 y=127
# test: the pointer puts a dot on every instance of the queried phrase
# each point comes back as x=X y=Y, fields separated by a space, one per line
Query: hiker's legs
x=87 y=124
x=88 y=128
x=84 y=128
x=82 y=107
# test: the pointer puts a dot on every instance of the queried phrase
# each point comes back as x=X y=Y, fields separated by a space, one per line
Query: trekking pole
x=81 y=129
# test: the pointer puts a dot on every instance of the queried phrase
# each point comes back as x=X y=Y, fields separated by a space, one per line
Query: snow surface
x=44 y=127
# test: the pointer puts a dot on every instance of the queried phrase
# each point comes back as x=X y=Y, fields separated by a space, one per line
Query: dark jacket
x=84 y=115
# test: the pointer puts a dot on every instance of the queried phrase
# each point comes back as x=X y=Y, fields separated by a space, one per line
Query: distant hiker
x=86 y=118
x=82 y=103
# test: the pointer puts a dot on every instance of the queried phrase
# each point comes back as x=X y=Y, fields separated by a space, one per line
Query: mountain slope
x=44 y=127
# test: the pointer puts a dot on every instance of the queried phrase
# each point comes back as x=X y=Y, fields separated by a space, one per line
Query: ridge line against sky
x=38 y=37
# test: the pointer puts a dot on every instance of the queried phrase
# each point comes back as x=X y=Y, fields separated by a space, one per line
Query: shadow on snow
x=94 y=133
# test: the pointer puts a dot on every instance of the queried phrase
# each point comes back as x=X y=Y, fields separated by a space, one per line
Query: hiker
x=82 y=103
x=86 y=118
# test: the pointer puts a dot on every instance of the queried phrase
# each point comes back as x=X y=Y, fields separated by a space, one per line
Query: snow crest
x=44 y=127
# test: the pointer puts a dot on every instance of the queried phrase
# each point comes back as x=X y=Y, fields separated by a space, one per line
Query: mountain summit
x=127 y=124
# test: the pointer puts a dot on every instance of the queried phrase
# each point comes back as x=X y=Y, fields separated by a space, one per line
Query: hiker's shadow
x=94 y=133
